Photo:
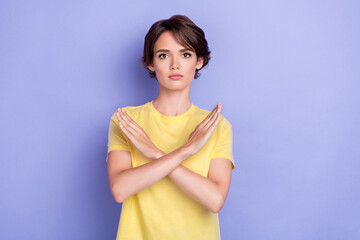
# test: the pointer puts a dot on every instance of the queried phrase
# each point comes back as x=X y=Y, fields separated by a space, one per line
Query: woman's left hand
x=137 y=135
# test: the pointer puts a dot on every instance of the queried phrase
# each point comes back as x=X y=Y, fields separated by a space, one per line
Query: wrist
x=186 y=150
x=157 y=154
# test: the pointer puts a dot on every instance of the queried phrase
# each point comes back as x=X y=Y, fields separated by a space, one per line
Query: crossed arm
x=126 y=181
x=212 y=191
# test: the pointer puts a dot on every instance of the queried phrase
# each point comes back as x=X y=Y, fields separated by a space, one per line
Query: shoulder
x=224 y=122
x=131 y=110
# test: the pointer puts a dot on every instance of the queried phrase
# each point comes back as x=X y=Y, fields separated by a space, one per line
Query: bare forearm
x=133 y=180
x=197 y=186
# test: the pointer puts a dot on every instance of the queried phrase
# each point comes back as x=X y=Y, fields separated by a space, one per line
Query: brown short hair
x=185 y=32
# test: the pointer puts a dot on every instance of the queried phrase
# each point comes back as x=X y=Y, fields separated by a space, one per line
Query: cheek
x=160 y=66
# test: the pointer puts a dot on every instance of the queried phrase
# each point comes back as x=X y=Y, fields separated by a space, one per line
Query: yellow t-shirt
x=163 y=211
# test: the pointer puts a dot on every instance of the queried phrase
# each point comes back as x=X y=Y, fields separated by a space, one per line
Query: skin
x=143 y=143
x=174 y=96
x=173 y=99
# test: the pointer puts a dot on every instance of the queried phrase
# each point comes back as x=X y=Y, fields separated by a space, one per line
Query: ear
x=151 y=67
x=200 y=62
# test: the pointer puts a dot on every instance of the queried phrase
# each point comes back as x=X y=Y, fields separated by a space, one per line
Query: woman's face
x=172 y=58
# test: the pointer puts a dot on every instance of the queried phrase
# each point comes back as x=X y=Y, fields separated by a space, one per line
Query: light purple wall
x=287 y=73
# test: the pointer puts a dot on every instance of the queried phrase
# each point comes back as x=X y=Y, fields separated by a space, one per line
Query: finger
x=212 y=118
x=130 y=121
x=121 y=117
x=125 y=127
x=128 y=133
x=216 y=109
x=214 y=123
x=126 y=116
x=117 y=114
x=121 y=120
x=137 y=127
x=209 y=116
x=124 y=120
x=212 y=112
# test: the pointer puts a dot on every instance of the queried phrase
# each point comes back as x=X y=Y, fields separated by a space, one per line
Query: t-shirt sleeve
x=223 y=147
x=116 y=137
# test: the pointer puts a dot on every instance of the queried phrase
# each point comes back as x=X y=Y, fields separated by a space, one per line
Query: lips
x=175 y=76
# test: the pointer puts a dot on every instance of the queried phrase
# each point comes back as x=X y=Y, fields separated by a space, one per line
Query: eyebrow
x=181 y=50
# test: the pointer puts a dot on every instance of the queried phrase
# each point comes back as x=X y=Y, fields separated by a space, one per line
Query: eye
x=188 y=54
x=161 y=55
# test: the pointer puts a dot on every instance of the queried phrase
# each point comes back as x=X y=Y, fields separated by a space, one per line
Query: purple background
x=286 y=72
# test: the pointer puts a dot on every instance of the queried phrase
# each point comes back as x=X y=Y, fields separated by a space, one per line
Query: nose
x=174 y=64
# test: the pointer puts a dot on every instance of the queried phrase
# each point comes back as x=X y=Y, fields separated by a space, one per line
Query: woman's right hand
x=203 y=131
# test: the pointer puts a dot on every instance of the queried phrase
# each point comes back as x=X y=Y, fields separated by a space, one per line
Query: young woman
x=170 y=162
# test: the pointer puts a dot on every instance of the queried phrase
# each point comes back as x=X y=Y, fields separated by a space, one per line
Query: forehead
x=167 y=41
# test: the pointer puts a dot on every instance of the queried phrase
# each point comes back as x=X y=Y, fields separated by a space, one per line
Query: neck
x=172 y=103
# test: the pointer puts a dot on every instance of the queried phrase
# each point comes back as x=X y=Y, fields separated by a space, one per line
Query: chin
x=175 y=86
